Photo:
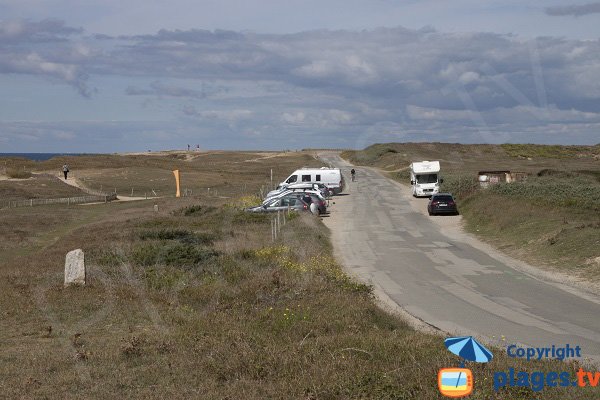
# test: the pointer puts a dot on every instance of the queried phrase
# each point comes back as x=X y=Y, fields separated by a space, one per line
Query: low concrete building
x=487 y=178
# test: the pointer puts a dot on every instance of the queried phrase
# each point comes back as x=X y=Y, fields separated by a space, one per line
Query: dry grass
x=36 y=187
x=227 y=173
x=247 y=319
x=17 y=173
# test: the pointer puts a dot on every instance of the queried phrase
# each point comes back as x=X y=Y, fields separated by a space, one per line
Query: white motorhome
x=330 y=177
x=425 y=178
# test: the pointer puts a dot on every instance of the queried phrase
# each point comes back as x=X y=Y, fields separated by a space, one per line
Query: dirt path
x=75 y=182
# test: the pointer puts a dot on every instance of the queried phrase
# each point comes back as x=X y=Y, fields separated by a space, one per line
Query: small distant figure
x=188 y=147
x=353 y=173
x=65 y=170
x=197 y=147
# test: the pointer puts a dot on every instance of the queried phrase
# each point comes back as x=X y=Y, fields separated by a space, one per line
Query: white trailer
x=425 y=178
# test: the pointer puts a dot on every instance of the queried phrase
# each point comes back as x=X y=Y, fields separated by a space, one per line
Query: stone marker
x=75 y=268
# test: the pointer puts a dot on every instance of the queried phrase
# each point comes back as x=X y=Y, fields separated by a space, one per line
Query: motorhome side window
x=292 y=179
x=427 y=178
x=318 y=178
x=305 y=178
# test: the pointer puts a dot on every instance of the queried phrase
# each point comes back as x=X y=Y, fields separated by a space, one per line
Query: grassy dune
x=35 y=187
x=552 y=219
x=195 y=301
x=229 y=174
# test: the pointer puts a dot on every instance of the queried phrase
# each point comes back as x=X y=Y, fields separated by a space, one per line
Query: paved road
x=447 y=282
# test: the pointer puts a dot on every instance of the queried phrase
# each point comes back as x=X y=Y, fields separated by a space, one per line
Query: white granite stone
x=75 y=268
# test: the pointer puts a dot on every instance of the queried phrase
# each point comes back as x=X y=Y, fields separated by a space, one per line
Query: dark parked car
x=442 y=203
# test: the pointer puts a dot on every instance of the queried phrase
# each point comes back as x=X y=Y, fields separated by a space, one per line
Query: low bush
x=244 y=202
x=575 y=192
x=181 y=235
x=15 y=173
x=323 y=265
x=175 y=254
x=460 y=186
x=195 y=210
x=243 y=218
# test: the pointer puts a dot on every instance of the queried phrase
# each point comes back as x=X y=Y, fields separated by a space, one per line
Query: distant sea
x=40 y=156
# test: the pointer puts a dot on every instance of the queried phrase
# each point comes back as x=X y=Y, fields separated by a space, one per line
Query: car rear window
x=443 y=198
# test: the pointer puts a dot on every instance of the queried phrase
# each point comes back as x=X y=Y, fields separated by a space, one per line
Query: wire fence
x=64 y=200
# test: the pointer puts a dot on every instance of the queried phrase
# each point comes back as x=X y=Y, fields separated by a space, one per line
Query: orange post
x=176 y=173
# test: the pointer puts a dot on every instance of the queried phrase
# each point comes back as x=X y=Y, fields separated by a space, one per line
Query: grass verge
x=196 y=301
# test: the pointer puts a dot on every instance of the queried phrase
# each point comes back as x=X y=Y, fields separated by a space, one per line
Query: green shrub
x=195 y=210
x=181 y=235
x=242 y=218
x=460 y=186
x=174 y=254
x=575 y=192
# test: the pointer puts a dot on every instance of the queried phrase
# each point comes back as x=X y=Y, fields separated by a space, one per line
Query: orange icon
x=455 y=382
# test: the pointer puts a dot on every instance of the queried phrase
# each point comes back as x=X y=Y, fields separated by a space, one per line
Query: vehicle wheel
x=429 y=212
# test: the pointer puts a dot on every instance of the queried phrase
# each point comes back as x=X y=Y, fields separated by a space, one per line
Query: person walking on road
x=65 y=170
x=353 y=173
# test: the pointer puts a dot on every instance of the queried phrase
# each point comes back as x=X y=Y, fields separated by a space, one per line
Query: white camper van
x=331 y=177
x=425 y=178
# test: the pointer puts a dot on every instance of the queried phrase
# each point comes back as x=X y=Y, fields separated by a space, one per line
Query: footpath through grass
x=197 y=302
x=552 y=219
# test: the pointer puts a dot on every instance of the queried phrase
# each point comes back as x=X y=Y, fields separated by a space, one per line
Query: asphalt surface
x=447 y=282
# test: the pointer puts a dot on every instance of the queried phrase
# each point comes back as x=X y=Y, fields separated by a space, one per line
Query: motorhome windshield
x=427 y=178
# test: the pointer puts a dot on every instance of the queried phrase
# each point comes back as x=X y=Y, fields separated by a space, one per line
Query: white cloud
x=295 y=118
x=575 y=10
x=503 y=115
x=335 y=85
x=317 y=118
x=225 y=115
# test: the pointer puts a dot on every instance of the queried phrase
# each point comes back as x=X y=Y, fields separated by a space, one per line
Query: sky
x=137 y=75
